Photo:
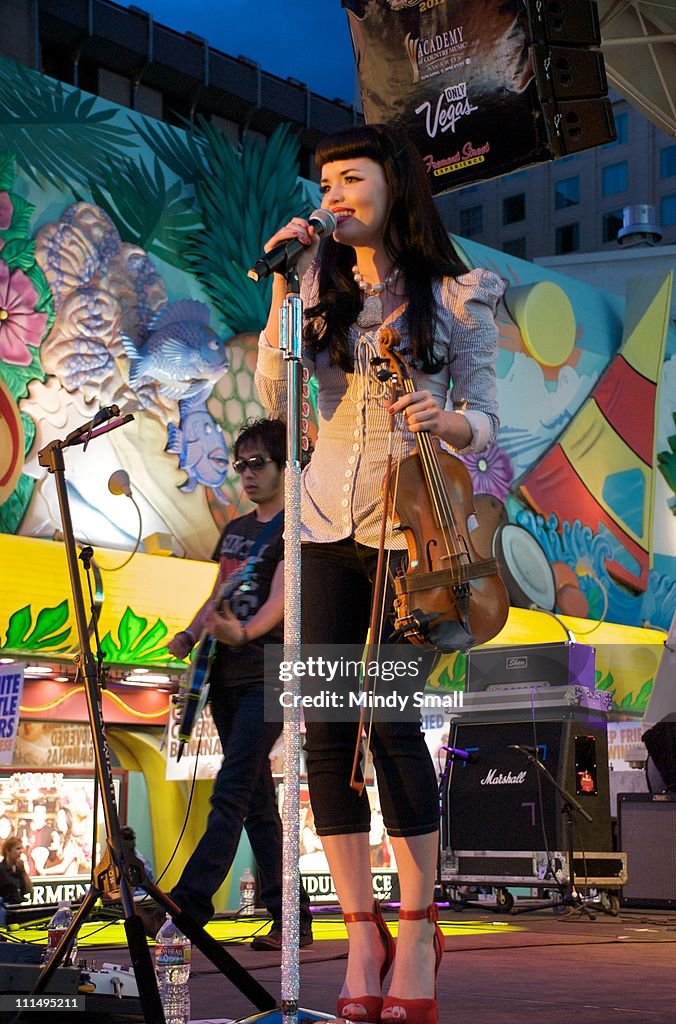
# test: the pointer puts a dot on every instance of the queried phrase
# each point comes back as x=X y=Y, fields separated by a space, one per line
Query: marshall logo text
x=495 y=778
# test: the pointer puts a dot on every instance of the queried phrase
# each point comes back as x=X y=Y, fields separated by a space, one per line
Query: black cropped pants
x=336 y=600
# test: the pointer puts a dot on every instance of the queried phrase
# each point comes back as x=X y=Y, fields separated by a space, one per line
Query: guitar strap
x=257 y=545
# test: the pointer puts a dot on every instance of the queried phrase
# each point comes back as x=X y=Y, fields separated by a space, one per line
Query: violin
x=447 y=597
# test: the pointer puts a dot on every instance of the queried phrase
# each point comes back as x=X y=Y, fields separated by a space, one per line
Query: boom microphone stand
x=117 y=874
x=570 y=897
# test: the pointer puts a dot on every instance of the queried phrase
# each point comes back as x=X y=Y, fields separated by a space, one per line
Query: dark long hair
x=415 y=240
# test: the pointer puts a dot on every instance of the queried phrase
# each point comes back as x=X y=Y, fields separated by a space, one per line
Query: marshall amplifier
x=498 y=800
x=521 y=668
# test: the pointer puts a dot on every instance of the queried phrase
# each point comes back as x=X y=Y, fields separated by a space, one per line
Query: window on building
x=515 y=247
x=472 y=221
x=114 y=87
x=668 y=210
x=615 y=178
x=514 y=208
x=668 y=162
x=611 y=224
x=567 y=238
x=621 y=129
x=567 y=193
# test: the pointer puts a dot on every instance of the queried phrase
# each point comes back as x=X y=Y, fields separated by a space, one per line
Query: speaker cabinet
x=564 y=22
x=499 y=800
x=574 y=125
x=647 y=834
x=566 y=73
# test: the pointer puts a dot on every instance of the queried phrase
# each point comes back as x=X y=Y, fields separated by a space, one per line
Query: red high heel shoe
x=416 y=1011
x=366 y=1009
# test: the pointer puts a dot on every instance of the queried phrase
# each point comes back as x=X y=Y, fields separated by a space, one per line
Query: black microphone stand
x=570 y=897
x=118 y=874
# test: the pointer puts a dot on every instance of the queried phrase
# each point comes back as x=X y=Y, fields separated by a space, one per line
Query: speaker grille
x=647 y=834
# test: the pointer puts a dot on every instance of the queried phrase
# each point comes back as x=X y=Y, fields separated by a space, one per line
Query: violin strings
x=436 y=485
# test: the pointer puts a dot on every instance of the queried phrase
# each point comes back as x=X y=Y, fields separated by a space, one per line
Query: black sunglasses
x=256 y=462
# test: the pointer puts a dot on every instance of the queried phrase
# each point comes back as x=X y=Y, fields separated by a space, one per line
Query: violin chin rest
x=450 y=636
x=447 y=636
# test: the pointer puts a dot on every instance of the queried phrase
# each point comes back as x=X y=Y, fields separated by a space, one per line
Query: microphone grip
x=104 y=414
x=285 y=255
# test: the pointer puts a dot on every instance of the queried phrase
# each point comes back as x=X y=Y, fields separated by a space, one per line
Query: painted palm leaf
x=145 y=211
x=180 y=151
x=56 y=133
x=244 y=197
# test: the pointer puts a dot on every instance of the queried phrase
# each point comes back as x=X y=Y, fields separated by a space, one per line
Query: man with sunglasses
x=244 y=792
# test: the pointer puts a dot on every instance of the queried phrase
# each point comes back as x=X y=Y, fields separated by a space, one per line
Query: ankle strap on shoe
x=359 y=915
x=431 y=913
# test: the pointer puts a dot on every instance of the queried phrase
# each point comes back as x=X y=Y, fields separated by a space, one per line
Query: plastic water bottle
x=247 y=894
x=173 y=953
x=61 y=920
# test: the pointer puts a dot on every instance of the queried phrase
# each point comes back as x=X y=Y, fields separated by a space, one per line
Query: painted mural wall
x=124 y=245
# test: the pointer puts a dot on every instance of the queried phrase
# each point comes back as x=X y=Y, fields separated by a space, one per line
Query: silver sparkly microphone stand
x=291 y=344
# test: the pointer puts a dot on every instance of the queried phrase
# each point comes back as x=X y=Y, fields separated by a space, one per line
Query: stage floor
x=497 y=969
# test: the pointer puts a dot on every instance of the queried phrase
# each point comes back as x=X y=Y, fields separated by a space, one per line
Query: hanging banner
x=458 y=75
x=204 y=748
x=11 y=688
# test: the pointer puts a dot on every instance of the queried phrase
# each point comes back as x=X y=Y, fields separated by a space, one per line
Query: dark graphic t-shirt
x=245 y=664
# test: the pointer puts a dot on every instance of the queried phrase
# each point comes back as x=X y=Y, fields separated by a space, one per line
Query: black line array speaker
x=570 y=75
x=564 y=22
x=493 y=800
x=647 y=834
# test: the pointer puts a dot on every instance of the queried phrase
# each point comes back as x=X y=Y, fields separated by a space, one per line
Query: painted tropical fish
x=181 y=352
x=200 y=446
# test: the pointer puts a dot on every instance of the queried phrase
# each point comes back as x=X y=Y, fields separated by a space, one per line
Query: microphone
x=118 y=483
x=533 y=751
x=464 y=755
x=285 y=254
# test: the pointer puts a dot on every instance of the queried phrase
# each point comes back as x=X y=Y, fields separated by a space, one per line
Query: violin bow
x=372 y=643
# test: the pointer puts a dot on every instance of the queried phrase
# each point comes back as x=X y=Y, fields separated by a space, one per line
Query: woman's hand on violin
x=305 y=233
x=421 y=412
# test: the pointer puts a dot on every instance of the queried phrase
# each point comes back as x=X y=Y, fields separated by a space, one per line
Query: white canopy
x=639 y=48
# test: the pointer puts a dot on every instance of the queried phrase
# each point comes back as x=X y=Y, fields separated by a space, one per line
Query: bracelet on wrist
x=189 y=634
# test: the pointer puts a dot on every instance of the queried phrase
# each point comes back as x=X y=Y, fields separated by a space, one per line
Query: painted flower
x=492 y=471
x=20 y=324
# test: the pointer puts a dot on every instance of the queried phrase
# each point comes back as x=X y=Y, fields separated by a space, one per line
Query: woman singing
x=388 y=263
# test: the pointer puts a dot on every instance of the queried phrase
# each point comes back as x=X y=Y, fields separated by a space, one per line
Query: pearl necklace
x=371 y=314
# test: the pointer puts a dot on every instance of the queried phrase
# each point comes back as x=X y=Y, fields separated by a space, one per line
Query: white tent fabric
x=639 y=48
